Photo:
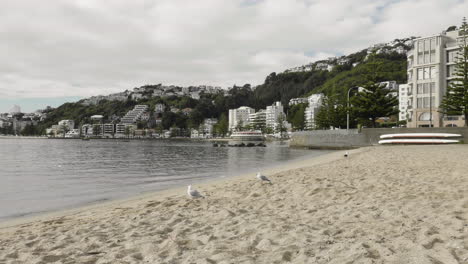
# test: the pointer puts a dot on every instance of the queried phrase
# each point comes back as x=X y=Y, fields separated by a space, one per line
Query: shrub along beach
x=398 y=204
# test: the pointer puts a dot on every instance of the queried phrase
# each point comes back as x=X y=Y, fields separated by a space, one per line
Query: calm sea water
x=42 y=175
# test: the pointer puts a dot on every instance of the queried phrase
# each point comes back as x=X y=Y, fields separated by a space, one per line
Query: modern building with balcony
x=239 y=117
x=431 y=67
x=273 y=114
x=315 y=102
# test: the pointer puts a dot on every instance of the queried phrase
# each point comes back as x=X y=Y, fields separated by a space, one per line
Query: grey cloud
x=86 y=47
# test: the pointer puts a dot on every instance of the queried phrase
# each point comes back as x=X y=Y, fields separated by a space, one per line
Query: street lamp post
x=347 y=110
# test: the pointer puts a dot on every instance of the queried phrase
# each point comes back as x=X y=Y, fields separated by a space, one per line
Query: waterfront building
x=239 y=117
x=109 y=129
x=207 y=127
x=67 y=124
x=273 y=113
x=87 y=130
x=120 y=129
x=431 y=67
x=258 y=119
x=315 y=102
x=134 y=115
x=74 y=133
x=403 y=102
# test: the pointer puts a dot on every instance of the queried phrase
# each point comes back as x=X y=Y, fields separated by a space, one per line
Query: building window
x=450 y=70
x=452 y=56
x=427 y=73
x=433 y=73
x=420 y=74
x=433 y=44
x=425 y=102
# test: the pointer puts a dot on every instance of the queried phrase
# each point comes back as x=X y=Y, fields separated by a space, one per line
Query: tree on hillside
x=221 y=127
x=455 y=102
x=64 y=129
x=97 y=129
x=296 y=116
x=375 y=100
x=281 y=128
x=332 y=113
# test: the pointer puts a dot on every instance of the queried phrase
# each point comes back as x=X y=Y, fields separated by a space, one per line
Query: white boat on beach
x=420 y=135
x=248 y=136
x=418 y=141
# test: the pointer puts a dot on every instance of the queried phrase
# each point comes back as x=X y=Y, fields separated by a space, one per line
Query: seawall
x=342 y=139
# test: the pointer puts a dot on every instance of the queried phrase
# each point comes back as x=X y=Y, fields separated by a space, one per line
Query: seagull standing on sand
x=193 y=193
x=262 y=177
x=346 y=154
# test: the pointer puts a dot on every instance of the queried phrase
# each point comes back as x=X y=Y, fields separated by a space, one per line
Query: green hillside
x=347 y=71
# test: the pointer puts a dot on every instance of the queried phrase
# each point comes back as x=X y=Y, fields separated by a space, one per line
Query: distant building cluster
x=246 y=118
x=17 y=121
x=149 y=91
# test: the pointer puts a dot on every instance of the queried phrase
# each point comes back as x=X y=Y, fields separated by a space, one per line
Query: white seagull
x=346 y=154
x=193 y=193
x=262 y=177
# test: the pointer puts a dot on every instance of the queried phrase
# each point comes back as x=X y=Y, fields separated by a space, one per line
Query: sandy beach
x=398 y=204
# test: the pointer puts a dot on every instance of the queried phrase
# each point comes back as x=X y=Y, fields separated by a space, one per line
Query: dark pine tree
x=375 y=100
x=455 y=102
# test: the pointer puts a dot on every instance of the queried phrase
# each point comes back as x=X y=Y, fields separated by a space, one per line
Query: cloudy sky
x=58 y=50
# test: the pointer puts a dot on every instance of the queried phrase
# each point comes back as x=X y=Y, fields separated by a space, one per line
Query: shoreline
x=392 y=204
x=289 y=165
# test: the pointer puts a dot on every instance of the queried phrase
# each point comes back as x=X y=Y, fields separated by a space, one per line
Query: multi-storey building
x=134 y=115
x=68 y=124
x=258 y=120
x=315 y=102
x=239 y=117
x=295 y=101
x=431 y=66
x=273 y=114
x=109 y=129
x=403 y=102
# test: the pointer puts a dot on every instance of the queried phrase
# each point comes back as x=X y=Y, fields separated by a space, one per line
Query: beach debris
x=346 y=154
x=262 y=177
x=193 y=193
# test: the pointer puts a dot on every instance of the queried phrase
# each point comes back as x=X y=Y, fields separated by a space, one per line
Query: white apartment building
x=315 y=102
x=403 y=102
x=205 y=130
x=392 y=86
x=258 y=119
x=273 y=113
x=69 y=124
x=239 y=116
x=134 y=115
x=431 y=65
x=159 y=108
x=109 y=129
x=295 y=101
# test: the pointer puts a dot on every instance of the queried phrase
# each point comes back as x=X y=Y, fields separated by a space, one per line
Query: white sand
x=404 y=204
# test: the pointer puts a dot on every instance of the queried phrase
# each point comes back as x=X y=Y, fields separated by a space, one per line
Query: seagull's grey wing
x=264 y=178
x=195 y=193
